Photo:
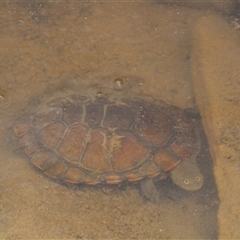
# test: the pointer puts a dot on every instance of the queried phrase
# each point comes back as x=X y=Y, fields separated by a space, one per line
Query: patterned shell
x=80 y=140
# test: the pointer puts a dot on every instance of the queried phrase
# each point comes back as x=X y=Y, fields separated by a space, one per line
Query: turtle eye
x=199 y=178
x=186 y=181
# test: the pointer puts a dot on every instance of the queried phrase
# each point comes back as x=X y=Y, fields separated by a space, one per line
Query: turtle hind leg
x=149 y=190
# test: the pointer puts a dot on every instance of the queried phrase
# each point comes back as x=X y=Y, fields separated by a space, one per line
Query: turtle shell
x=84 y=141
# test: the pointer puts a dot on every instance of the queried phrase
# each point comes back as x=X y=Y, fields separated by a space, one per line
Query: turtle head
x=187 y=175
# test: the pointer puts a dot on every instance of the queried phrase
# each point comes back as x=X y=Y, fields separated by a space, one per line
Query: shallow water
x=52 y=49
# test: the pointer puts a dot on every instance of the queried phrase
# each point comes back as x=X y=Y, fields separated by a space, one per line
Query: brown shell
x=78 y=140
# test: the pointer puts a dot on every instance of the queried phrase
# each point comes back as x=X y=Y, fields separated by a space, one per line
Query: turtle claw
x=149 y=190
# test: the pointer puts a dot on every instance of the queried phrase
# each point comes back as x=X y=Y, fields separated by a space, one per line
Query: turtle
x=78 y=139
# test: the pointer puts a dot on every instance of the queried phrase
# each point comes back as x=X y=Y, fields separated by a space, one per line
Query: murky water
x=52 y=49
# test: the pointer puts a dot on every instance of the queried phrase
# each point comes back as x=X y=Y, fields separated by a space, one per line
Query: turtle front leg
x=149 y=190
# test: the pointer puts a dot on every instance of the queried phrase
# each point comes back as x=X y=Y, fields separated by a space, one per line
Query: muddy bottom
x=49 y=48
